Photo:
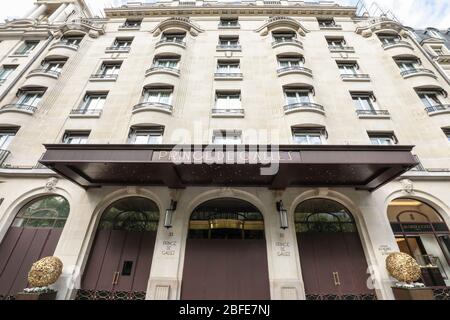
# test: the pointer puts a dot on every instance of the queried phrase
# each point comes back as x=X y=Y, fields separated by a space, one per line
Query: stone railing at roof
x=93 y=27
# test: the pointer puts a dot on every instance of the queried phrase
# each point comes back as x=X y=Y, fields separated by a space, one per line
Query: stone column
x=27 y=15
x=57 y=12
x=38 y=12
x=64 y=13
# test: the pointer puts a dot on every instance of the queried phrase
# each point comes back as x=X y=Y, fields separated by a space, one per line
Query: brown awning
x=360 y=167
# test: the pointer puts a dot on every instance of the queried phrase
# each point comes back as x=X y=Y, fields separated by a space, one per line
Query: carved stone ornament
x=45 y=272
x=50 y=185
x=403 y=267
x=407 y=186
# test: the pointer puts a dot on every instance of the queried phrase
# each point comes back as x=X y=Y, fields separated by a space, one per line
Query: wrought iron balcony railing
x=301 y=106
x=4 y=154
x=341 y=48
x=437 y=108
x=278 y=42
x=360 y=76
x=295 y=69
x=396 y=43
x=416 y=71
x=104 y=76
x=129 y=26
x=118 y=49
x=330 y=26
x=18 y=107
x=65 y=43
x=229 y=25
x=227 y=112
x=53 y=73
x=87 y=112
x=228 y=75
x=162 y=68
x=231 y=47
x=372 y=112
x=154 y=105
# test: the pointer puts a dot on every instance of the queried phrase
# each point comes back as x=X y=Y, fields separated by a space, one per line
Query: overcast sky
x=414 y=13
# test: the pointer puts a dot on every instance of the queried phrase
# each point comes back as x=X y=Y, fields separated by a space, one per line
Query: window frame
x=152 y=131
x=379 y=136
x=37 y=96
x=370 y=98
x=229 y=101
x=89 y=97
x=81 y=136
x=22 y=49
x=5 y=73
x=308 y=134
x=297 y=92
x=6 y=137
x=225 y=135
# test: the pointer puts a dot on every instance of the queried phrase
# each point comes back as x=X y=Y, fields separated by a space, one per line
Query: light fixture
x=169 y=214
x=283 y=215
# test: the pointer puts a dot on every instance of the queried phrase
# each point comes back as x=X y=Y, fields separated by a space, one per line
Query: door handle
x=337 y=281
x=115 y=278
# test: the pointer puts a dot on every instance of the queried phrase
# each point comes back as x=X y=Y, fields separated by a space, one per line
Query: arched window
x=131 y=214
x=226 y=219
x=322 y=215
x=47 y=212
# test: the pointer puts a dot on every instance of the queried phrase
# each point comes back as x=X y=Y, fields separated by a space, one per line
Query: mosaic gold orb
x=45 y=272
x=403 y=267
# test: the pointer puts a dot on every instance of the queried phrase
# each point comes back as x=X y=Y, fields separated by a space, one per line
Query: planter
x=36 y=296
x=413 y=294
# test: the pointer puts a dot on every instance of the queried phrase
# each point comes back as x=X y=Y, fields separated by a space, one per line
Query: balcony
x=118 y=49
x=341 y=49
x=65 y=44
x=162 y=69
x=227 y=113
x=86 y=113
x=438 y=109
x=4 y=154
x=17 y=107
x=355 y=77
x=228 y=76
x=229 y=47
x=373 y=114
x=153 y=106
x=176 y=42
x=44 y=72
x=304 y=106
x=281 y=42
x=103 y=77
x=417 y=72
x=397 y=44
x=294 y=69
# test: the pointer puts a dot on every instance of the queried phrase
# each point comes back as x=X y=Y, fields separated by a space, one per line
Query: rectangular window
x=388 y=39
x=173 y=37
x=294 y=96
x=53 y=65
x=146 y=135
x=228 y=66
x=326 y=23
x=74 y=40
x=110 y=68
x=363 y=101
x=166 y=62
x=123 y=42
x=287 y=62
x=76 y=137
x=158 y=95
x=228 y=100
x=348 y=68
x=283 y=36
x=229 y=22
x=447 y=133
x=6 y=136
x=382 y=138
x=27 y=47
x=229 y=41
x=429 y=99
x=439 y=50
x=5 y=71
x=336 y=42
x=94 y=101
x=132 y=23
x=30 y=98
x=407 y=65
x=308 y=136
x=227 y=137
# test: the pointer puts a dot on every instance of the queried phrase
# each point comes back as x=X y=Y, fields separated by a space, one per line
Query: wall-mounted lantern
x=283 y=215
x=169 y=214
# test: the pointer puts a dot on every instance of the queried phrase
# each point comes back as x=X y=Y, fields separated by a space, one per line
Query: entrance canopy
x=280 y=167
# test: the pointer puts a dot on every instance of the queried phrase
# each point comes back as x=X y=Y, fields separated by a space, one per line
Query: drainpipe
x=28 y=65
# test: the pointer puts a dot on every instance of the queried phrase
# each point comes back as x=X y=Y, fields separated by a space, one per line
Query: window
x=407 y=64
x=434 y=34
x=110 y=68
x=363 y=101
x=166 y=62
x=123 y=42
x=229 y=22
x=146 y=135
x=74 y=137
x=229 y=41
x=298 y=95
x=439 y=50
x=336 y=42
x=30 y=97
x=173 y=37
x=346 y=68
x=446 y=132
x=227 y=137
x=326 y=23
x=132 y=23
x=158 y=95
x=308 y=136
x=382 y=138
x=429 y=98
x=387 y=39
x=5 y=71
x=94 y=101
x=228 y=100
x=6 y=136
x=283 y=36
x=290 y=61
x=228 y=66
x=27 y=47
x=74 y=40
x=53 y=65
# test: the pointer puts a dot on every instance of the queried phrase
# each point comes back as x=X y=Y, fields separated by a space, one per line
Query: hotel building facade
x=337 y=151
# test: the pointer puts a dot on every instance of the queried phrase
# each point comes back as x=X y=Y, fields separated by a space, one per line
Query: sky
x=413 y=13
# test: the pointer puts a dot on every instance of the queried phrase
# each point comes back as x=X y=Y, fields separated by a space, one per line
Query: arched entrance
x=121 y=256
x=422 y=233
x=33 y=235
x=332 y=258
x=226 y=255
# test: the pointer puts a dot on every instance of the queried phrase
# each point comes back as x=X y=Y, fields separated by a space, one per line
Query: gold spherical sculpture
x=45 y=272
x=403 y=267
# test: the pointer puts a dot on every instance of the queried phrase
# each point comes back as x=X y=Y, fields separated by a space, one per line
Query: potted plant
x=43 y=273
x=406 y=270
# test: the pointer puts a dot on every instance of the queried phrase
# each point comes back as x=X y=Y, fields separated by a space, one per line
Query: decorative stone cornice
x=381 y=24
x=93 y=28
x=24 y=28
x=280 y=22
x=180 y=22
